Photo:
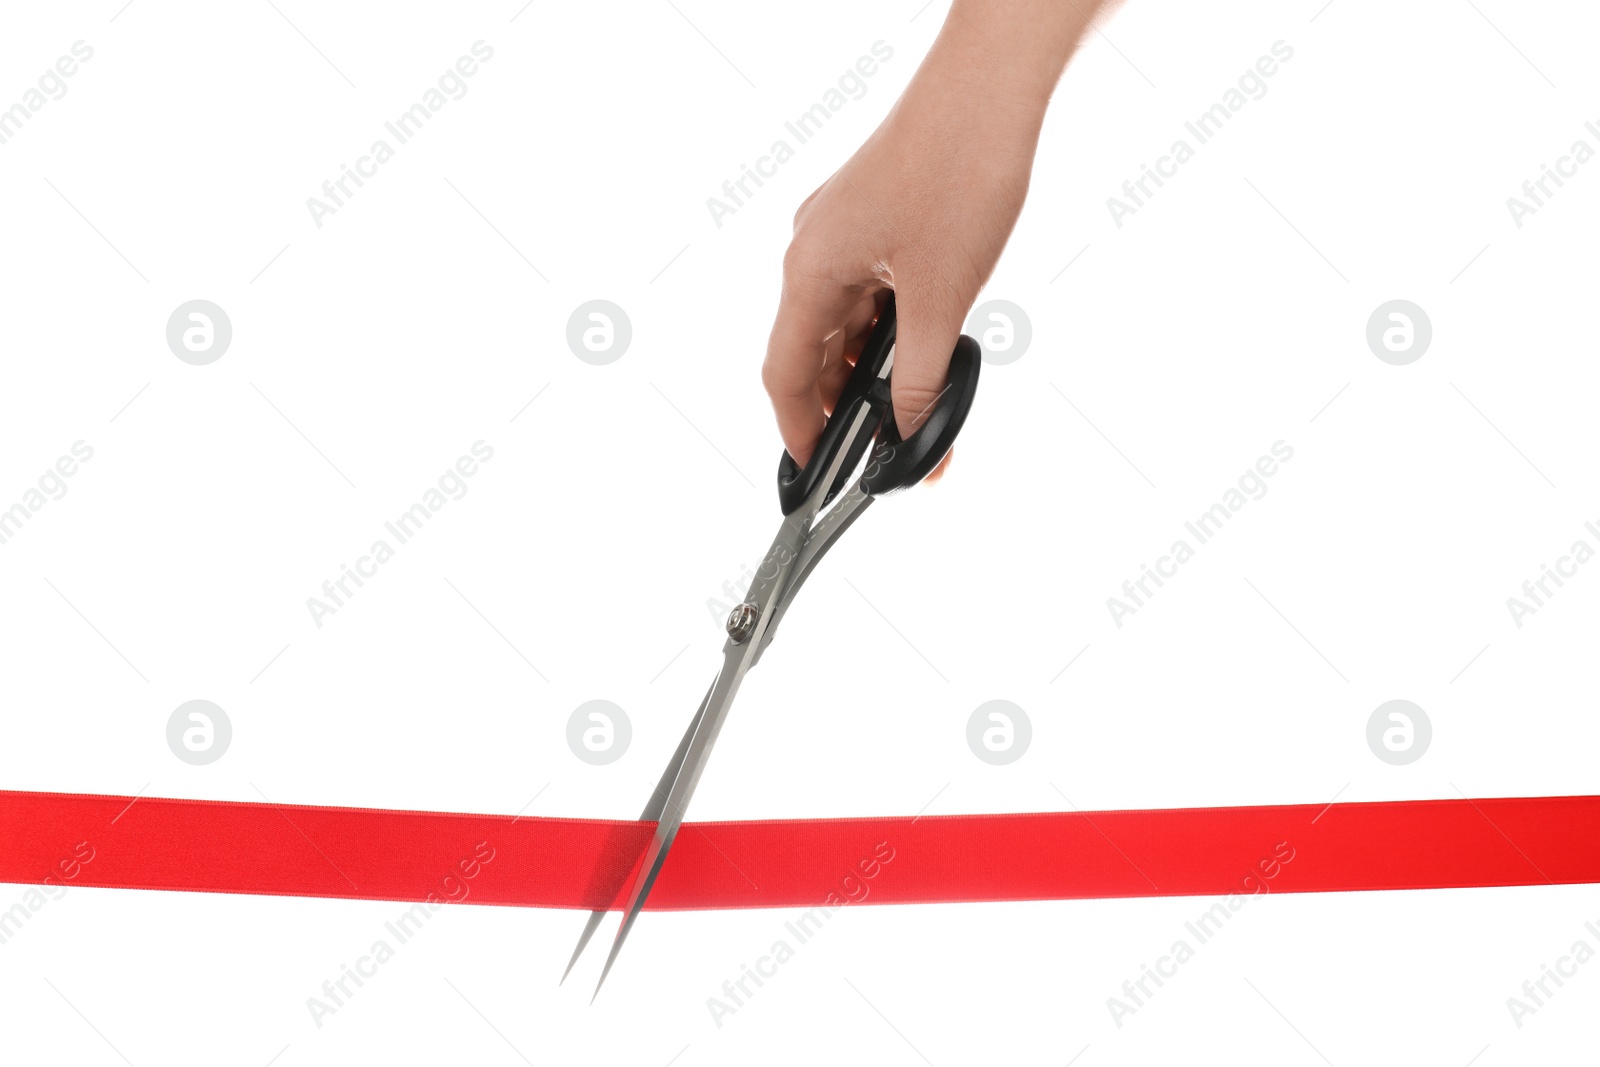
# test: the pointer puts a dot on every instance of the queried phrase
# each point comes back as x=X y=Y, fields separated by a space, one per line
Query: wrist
x=1010 y=53
x=957 y=101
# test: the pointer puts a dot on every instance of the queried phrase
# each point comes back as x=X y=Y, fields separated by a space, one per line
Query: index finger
x=811 y=322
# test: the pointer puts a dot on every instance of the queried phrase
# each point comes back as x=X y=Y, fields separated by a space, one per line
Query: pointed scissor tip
x=570 y=964
x=588 y=931
x=604 y=972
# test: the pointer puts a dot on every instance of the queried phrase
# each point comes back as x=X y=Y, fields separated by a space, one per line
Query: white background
x=370 y=353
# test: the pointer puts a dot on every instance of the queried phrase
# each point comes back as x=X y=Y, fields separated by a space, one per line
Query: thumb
x=928 y=324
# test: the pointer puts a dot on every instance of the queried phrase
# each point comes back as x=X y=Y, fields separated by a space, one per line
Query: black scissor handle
x=899 y=464
x=862 y=389
x=896 y=464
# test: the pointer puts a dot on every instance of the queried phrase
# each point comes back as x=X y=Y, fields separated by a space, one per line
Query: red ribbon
x=362 y=853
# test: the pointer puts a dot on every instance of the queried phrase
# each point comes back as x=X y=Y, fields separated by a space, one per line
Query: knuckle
x=804 y=208
x=779 y=377
x=800 y=261
x=769 y=376
x=915 y=398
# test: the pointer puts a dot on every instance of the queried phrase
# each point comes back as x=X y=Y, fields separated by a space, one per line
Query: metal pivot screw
x=742 y=623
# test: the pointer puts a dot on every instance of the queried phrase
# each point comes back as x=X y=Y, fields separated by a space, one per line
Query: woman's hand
x=923 y=208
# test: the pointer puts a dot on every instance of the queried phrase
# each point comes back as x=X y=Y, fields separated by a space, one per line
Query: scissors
x=862 y=417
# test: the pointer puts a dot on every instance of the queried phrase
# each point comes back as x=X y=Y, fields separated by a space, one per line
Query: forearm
x=1005 y=56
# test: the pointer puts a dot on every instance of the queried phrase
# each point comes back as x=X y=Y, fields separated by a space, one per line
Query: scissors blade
x=769 y=595
x=671 y=819
x=652 y=813
x=772 y=581
x=822 y=536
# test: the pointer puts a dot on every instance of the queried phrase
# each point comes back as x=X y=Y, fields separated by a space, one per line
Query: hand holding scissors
x=863 y=418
